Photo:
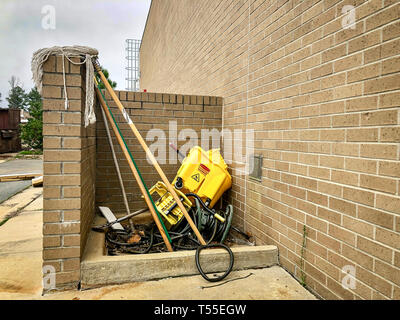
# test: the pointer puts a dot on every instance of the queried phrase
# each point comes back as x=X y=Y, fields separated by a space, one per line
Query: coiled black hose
x=214 y=245
x=201 y=202
x=204 y=221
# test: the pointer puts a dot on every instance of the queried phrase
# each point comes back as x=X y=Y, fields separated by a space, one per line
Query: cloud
x=104 y=25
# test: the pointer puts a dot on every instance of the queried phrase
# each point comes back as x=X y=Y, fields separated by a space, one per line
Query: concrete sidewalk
x=21 y=263
x=272 y=283
x=21 y=245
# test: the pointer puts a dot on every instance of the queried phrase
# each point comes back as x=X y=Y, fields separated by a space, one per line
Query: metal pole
x=128 y=211
x=134 y=171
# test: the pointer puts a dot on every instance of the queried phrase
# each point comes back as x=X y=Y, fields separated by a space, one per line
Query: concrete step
x=98 y=269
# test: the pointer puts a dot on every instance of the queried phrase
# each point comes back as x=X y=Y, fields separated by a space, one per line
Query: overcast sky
x=101 y=24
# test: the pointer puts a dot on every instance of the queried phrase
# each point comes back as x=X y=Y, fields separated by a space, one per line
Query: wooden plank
x=20 y=176
x=37 y=182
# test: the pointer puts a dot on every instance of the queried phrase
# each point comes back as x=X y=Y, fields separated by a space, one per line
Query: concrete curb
x=98 y=269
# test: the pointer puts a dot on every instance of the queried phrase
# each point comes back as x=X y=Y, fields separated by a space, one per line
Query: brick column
x=69 y=171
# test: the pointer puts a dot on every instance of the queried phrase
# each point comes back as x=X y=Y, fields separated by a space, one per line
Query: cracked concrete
x=31 y=197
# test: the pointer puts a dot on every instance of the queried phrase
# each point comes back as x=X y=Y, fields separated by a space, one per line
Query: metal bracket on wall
x=256 y=162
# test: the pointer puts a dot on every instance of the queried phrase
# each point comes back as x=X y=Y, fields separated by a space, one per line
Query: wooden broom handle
x=149 y=154
x=134 y=171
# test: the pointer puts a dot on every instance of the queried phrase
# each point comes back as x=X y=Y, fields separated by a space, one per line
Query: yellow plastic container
x=172 y=215
x=205 y=174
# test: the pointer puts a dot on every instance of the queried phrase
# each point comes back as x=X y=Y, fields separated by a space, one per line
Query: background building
x=318 y=81
x=9 y=130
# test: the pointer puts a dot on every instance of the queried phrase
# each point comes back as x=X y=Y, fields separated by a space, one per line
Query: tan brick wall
x=69 y=171
x=148 y=111
x=324 y=103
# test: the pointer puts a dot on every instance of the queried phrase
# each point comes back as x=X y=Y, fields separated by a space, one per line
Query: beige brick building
x=319 y=82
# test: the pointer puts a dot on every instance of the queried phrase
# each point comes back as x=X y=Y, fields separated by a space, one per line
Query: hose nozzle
x=218 y=217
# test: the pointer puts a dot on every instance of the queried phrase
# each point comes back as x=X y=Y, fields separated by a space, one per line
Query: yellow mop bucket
x=205 y=174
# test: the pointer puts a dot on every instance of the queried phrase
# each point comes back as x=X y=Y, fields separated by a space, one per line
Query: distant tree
x=32 y=131
x=33 y=101
x=113 y=84
x=16 y=96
